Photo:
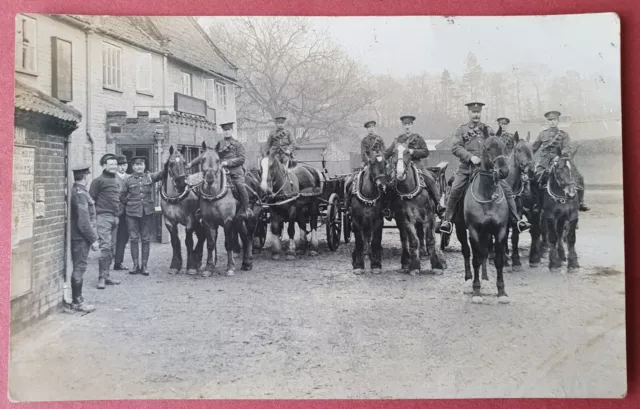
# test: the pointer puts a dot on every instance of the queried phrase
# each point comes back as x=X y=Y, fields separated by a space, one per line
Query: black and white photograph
x=283 y=207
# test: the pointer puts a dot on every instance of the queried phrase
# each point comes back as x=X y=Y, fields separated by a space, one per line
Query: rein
x=555 y=197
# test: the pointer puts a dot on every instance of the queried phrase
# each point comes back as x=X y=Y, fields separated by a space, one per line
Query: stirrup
x=583 y=208
x=446 y=227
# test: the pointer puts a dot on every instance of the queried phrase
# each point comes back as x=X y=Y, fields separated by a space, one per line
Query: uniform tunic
x=137 y=198
x=83 y=229
x=281 y=138
x=370 y=146
x=412 y=141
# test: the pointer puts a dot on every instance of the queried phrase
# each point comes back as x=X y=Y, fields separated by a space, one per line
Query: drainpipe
x=88 y=98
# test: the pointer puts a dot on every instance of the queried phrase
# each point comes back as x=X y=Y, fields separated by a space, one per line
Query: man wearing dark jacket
x=105 y=191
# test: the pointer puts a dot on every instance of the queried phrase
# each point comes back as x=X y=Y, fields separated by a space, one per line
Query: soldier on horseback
x=281 y=142
x=372 y=144
x=549 y=142
x=507 y=137
x=418 y=150
x=467 y=146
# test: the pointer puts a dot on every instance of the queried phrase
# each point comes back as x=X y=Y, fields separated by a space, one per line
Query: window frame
x=115 y=67
x=140 y=57
x=210 y=88
x=20 y=45
x=183 y=75
x=221 y=95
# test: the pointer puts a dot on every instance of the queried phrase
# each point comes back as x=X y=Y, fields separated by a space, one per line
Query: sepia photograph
x=283 y=207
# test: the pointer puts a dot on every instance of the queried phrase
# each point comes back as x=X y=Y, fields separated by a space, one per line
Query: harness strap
x=356 y=190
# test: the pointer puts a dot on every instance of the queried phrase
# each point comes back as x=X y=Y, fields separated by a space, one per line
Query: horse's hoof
x=275 y=257
x=476 y=299
x=376 y=270
x=573 y=267
x=290 y=257
x=230 y=273
x=192 y=271
x=534 y=265
x=246 y=267
x=174 y=271
x=414 y=272
x=503 y=299
x=358 y=271
x=207 y=273
x=517 y=269
x=485 y=278
x=313 y=253
x=437 y=271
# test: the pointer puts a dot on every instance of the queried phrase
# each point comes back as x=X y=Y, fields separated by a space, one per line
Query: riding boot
x=445 y=226
x=135 y=251
x=583 y=207
x=145 y=258
x=103 y=271
x=244 y=211
x=432 y=187
x=78 y=303
x=521 y=224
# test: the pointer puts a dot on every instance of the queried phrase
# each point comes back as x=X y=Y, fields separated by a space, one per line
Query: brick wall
x=49 y=233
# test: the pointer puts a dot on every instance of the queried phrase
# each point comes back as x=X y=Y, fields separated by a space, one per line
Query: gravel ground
x=310 y=328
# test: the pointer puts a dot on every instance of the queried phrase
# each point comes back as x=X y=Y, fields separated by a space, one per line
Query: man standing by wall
x=105 y=191
x=123 y=232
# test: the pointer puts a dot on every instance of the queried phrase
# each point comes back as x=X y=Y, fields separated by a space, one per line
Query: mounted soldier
x=467 y=146
x=418 y=150
x=549 y=142
x=507 y=137
x=281 y=142
x=372 y=144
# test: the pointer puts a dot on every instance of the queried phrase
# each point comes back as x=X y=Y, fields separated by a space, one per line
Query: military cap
x=280 y=118
x=122 y=160
x=106 y=157
x=228 y=125
x=503 y=119
x=408 y=118
x=370 y=123
x=81 y=168
x=474 y=106
x=552 y=115
x=138 y=159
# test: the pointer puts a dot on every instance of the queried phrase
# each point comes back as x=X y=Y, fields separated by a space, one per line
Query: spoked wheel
x=334 y=222
x=346 y=225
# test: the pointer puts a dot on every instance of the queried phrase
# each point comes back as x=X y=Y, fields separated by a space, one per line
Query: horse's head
x=565 y=176
x=176 y=167
x=378 y=172
x=210 y=164
x=523 y=153
x=493 y=156
x=271 y=169
x=402 y=160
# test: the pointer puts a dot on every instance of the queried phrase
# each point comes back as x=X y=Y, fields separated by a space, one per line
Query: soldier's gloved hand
x=475 y=160
x=224 y=163
x=95 y=246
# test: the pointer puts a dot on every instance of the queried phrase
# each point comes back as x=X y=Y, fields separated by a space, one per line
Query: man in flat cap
x=123 y=232
x=467 y=146
x=507 y=137
x=549 y=142
x=281 y=143
x=418 y=150
x=372 y=144
x=83 y=235
x=137 y=199
x=105 y=191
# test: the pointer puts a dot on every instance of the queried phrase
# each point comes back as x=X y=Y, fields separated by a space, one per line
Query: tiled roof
x=30 y=99
x=187 y=41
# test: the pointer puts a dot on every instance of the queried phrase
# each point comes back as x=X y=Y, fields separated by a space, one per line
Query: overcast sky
x=401 y=46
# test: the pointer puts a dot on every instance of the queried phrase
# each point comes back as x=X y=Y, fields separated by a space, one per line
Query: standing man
x=549 y=142
x=372 y=144
x=507 y=137
x=467 y=145
x=137 y=199
x=281 y=142
x=105 y=191
x=123 y=231
x=83 y=235
x=418 y=150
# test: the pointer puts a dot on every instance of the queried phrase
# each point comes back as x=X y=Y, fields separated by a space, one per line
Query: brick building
x=95 y=66
x=39 y=218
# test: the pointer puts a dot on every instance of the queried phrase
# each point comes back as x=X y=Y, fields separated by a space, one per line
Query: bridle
x=557 y=198
x=187 y=189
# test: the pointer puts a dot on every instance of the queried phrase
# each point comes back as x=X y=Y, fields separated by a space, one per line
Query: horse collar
x=419 y=186
x=219 y=195
x=175 y=199
x=358 y=193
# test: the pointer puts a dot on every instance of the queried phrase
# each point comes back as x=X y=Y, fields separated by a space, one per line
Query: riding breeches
x=238 y=180
x=432 y=186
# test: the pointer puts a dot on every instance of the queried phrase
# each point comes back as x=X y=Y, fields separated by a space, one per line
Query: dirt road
x=311 y=329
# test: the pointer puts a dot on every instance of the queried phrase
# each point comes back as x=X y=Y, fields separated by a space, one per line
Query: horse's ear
x=573 y=154
x=204 y=145
x=516 y=137
x=529 y=136
x=171 y=150
x=183 y=150
x=499 y=131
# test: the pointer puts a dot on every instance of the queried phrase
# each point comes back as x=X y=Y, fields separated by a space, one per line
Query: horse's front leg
x=192 y=267
x=176 y=260
x=552 y=236
x=201 y=235
x=291 y=231
x=376 y=245
x=212 y=251
x=534 y=251
x=412 y=237
x=422 y=252
x=480 y=253
x=314 y=210
x=357 y=255
x=302 y=225
x=241 y=228
x=276 y=233
x=437 y=259
x=229 y=239
x=561 y=233
x=461 y=234
x=515 y=251
x=404 y=240
x=501 y=238
x=571 y=242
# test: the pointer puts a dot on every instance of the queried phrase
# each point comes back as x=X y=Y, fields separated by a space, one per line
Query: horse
x=521 y=167
x=296 y=193
x=365 y=191
x=413 y=209
x=179 y=204
x=560 y=206
x=219 y=207
x=485 y=213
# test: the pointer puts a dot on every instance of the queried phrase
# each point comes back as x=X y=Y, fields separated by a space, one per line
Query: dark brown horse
x=485 y=213
x=560 y=206
x=219 y=207
x=293 y=197
x=413 y=209
x=179 y=206
x=365 y=191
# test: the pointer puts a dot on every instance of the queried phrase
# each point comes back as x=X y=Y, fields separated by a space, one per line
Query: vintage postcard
x=317 y=207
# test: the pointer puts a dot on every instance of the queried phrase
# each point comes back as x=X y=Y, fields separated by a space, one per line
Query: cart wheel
x=334 y=222
x=346 y=225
